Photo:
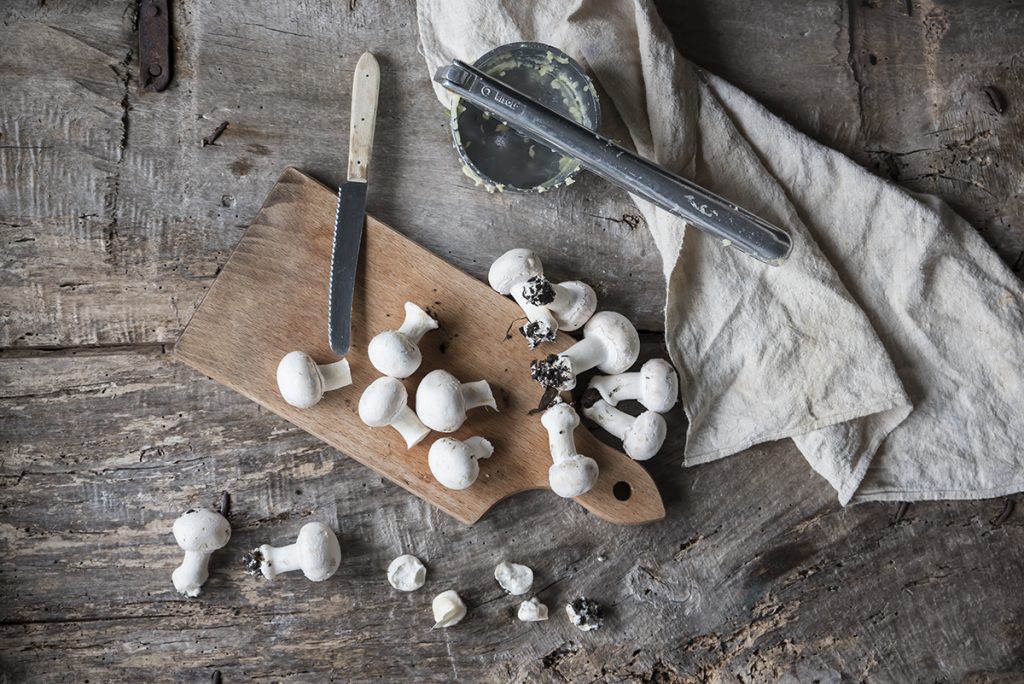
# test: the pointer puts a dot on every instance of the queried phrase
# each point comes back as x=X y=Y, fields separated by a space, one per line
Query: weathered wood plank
x=755 y=572
x=114 y=219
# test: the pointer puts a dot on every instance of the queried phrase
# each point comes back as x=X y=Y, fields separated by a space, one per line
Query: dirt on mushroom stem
x=551 y=372
x=252 y=562
x=538 y=291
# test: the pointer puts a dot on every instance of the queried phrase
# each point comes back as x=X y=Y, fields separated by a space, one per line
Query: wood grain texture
x=115 y=219
x=271 y=299
x=363 y=119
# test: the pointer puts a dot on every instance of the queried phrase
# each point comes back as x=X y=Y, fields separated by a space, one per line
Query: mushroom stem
x=586 y=354
x=278 y=559
x=477 y=394
x=410 y=427
x=192 y=573
x=479 y=447
x=336 y=375
x=533 y=312
x=614 y=421
x=616 y=388
x=417 y=323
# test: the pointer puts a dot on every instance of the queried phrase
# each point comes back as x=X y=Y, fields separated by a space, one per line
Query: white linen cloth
x=888 y=346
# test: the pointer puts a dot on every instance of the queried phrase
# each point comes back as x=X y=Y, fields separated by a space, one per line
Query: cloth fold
x=887 y=346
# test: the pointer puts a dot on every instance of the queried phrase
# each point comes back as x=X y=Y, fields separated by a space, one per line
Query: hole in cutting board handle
x=622 y=491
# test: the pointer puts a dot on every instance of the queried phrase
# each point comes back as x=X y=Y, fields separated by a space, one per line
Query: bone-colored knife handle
x=365 y=87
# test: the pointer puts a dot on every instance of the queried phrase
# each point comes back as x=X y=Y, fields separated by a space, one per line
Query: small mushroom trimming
x=442 y=401
x=396 y=352
x=587 y=615
x=302 y=381
x=316 y=552
x=407 y=573
x=514 y=578
x=199 y=532
x=448 y=609
x=571 y=474
x=548 y=306
x=642 y=436
x=610 y=343
x=453 y=463
x=386 y=403
x=655 y=386
x=532 y=610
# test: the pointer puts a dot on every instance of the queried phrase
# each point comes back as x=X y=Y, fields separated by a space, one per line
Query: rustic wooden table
x=115 y=219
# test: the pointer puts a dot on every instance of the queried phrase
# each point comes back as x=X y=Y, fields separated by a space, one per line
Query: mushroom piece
x=641 y=436
x=514 y=578
x=572 y=474
x=532 y=611
x=396 y=352
x=385 y=402
x=453 y=463
x=448 y=609
x=407 y=573
x=548 y=306
x=442 y=401
x=316 y=552
x=610 y=342
x=655 y=386
x=302 y=382
x=587 y=615
x=199 y=532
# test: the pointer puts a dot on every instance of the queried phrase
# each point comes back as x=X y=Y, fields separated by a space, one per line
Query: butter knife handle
x=365 y=86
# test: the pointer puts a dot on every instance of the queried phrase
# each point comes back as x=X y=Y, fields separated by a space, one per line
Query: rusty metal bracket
x=154 y=44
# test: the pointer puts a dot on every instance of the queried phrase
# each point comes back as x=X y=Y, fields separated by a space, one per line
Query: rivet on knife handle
x=348 y=225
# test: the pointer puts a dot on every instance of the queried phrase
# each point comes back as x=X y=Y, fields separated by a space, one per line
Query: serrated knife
x=348 y=223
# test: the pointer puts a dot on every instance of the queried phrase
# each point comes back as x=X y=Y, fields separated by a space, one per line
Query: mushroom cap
x=621 y=341
x=439 y=401
x=202 y=530
x=299 y=380
x=584 y=304
x=319 y=551
x=514 y=266
x=645 y=436
x=559 y=417
x=573 y=476
x=394 y=354
x=659 y=385
x=452 y=463
x=382 y=401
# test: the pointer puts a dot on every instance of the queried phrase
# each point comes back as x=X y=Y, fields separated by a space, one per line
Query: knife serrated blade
x=348 y=223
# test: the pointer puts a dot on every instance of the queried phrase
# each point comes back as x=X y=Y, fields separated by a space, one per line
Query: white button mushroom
x=316 y=552
x=385 y=402
x=302 y=382
x=571 y=474
x=407 y=573
x=610 y=342
x=453 y=463
x=442 y=401
x=655 y=385
x=532 y=611
x=199 y=533
x=448 y=609
x=514 y=578
x=641 y=437
x=396 y=352
x=548 y=306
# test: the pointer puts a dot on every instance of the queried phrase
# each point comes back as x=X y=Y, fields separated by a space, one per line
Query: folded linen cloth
x=888 y=346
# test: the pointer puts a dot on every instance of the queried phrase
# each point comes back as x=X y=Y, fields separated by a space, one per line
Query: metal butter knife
x=348 y=224
x=725 y=220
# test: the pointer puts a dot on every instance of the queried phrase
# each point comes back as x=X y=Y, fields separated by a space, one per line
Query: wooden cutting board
x=271 y=298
